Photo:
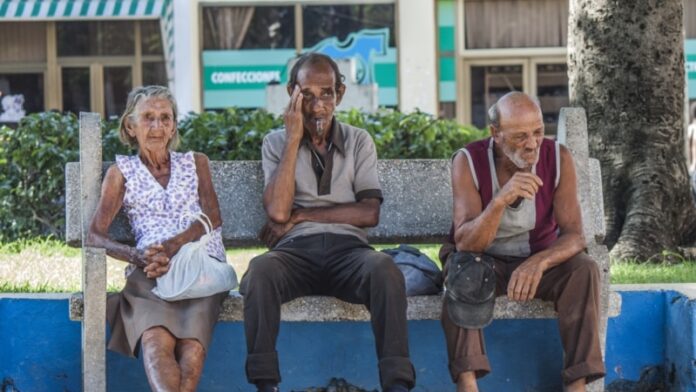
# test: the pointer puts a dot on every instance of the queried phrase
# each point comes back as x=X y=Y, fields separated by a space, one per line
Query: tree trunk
x=626 y=68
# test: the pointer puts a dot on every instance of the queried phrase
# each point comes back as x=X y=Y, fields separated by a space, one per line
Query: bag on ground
x=195 y=274
x=422 y=275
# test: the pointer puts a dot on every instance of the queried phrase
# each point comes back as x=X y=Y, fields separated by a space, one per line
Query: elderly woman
x=158 y=187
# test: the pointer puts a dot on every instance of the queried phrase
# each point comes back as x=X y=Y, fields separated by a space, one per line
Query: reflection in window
x=552 y=90
x=108 y=38
x=339 y=21
x=488 y=84
x=29 y=85
x=76 y=94
x=248 y=28
x=151 y=38
x=154 y=73
x=117 y=84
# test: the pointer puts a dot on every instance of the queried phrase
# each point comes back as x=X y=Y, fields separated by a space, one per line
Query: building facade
x=448 y=57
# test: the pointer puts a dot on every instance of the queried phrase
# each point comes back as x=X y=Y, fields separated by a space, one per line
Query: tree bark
x=626 y=68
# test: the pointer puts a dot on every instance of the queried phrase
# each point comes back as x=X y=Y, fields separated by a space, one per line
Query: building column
x=187 y=69
x=417 y=51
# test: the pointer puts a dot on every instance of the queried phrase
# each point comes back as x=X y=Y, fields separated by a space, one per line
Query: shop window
x=117 y=84
x=448 y=110
x=515 y=23
x=226 y=28
x=488 y=84
x=151 y=37
x=107 y=38
x=25 y=92
x=154 y=73
x=323 y=21
x=552 y=91
x=76 y=89
x=22 y=42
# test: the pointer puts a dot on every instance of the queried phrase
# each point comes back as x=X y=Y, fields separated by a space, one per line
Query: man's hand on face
x=272 y=232
x=294 y=124
x=525 y=280
x=521 y=185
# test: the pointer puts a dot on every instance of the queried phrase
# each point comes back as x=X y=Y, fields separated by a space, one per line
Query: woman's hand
x=157 y=261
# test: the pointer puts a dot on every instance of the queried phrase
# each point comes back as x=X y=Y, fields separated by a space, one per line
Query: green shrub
x=33 y=156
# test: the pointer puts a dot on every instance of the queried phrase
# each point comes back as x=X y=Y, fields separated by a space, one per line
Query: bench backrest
x=417 y=195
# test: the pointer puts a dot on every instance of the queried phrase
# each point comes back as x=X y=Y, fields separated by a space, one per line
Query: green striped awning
x=19 y=10
x=34 y=10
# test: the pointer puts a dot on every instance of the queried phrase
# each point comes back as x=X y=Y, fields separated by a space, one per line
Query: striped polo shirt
x=530 y=227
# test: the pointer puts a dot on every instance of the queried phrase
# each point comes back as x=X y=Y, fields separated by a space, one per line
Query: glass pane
x=516 y=23
x=117 y=85
x=154 y=73
x=151 y=37
x=20 y=94
x=248 y=28
x=76 y=94
x=488 y=84
x=110 y=38
x=22 y=42
x=339 y=21
x=448 y=110
x=552 y=90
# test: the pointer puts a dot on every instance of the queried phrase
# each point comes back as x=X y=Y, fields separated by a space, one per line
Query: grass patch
x=49 y=266
x=632 y=272
x=44 y=246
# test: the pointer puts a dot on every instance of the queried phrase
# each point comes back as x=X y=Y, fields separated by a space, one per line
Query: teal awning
x=35 y=10
x=22 y=10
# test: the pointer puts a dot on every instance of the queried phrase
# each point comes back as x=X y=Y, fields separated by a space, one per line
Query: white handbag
x=193 y=273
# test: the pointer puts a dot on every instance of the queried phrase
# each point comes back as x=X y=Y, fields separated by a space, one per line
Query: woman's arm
x=113 y=189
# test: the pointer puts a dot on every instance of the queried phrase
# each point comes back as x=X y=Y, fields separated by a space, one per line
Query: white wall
x=417 y=48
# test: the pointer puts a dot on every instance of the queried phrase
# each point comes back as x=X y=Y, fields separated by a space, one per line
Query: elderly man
x=515 y=204
x=321 y=194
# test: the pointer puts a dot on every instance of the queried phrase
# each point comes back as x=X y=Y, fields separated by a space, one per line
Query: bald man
x=515 y=200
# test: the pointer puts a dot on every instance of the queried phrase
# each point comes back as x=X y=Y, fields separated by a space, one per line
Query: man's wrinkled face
x=520 y=134
x=319 y=96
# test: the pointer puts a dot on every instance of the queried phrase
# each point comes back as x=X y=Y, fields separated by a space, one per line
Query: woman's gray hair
x=138 y=95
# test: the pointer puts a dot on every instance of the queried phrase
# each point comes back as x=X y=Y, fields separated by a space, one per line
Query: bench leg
x=94 y=322
x=600 y=254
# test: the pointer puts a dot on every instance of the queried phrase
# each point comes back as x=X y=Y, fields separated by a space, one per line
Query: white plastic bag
x=195 y=274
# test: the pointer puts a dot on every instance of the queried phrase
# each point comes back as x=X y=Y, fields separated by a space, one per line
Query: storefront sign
x=239 y=77
x=690 y=63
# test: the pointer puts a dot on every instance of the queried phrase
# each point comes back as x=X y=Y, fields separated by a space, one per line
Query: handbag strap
x=207 y=224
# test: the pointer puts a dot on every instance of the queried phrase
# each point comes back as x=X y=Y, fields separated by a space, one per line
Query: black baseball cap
x=470 y=293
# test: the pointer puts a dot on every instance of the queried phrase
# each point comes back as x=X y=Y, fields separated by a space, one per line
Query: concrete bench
x=417 y=209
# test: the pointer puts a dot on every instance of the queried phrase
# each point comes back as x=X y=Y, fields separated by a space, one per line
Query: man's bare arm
x=475 y=229
x=280 y=190
x=566 y=208
x=364 y=213
x=566 y=211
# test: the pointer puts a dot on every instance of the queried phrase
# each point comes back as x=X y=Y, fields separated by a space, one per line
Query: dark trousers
x=573 y=286
x=326 y=264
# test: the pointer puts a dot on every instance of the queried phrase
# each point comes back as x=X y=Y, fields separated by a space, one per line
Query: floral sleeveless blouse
x=156 y=213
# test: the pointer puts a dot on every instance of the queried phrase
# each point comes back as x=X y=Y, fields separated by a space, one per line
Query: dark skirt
x=136 y=309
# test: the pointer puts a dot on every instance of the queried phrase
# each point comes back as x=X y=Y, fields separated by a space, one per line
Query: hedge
x=33 y=156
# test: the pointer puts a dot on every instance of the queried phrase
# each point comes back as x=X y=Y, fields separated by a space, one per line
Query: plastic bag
x=195 y=274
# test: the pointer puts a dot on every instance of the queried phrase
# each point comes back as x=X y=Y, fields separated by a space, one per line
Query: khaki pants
x=573 y=286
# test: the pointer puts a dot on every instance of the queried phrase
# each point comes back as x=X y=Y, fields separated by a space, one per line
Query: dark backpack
x=421 y=274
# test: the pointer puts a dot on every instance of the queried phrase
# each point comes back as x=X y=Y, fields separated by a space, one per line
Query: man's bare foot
x=576 y=386
x=467 y=382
